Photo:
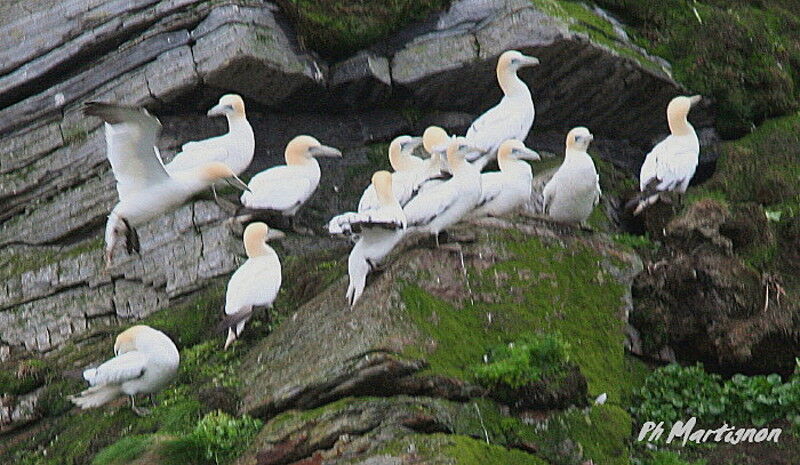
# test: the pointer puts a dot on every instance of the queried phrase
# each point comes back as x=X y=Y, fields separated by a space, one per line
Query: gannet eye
x=515 y=61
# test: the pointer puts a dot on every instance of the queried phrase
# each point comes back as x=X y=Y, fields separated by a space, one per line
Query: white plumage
x=286 y=188
x=379 y=230
x=408 y=170
x=506 y=190
x=235 y=148
x=574 y=190
x=671 y=164
x=444 y=204
x=512 y=118
x=145 y=188
x=146 y=361
x=254 y=284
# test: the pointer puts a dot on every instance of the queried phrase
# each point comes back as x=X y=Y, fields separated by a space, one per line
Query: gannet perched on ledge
x=504 y=191
x=235 y=148
x=407 y=171
x=574 y=189
x=145 y=189
x=671 y=164
x=512 y=118
x=443 y=205
x=145 y=361
x=286 y=188
x=254 y=284
x=379 y=231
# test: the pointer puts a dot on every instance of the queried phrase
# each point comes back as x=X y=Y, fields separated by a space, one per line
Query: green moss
x=338 y=28
x=459 y=449
x=747 y=57
x=528 y=359
x=123 y=451
x=190 y=322
x=15 y=263
x=26 y=376
x=217 y=439
x=664 y=457
x=551 y=287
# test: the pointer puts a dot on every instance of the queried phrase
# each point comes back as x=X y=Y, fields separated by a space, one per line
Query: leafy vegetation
x=664 y=457
x=528 y=359
x=677 y=393
x=217 y=439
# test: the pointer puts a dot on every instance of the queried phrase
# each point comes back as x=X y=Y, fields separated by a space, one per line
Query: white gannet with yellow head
x=444 y=204
x=406 y=173
x=379 y=230
x=512 y=118
x=286 y=188
x=254 y=284
x=145 y=189
x=574 y=190
x=235 y=148
x=672 y=163
x=145 y=362
x=506 y=190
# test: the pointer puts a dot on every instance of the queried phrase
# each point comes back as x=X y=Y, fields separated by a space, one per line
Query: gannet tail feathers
x=358 y=269
x=96 y=396
x=649 y=196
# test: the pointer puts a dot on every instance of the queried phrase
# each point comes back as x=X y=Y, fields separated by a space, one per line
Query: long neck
x=386 y=197
x=511 y=84
x=574 y=154
x=396 y=158
x=297 y=159
x=254 y=246
x=679 y=125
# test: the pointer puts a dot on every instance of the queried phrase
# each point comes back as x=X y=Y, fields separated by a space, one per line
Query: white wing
x=491 y=187
x=405 y=185
x=548 y=194
x=119 y=369
x=498 y=124
x=278 y=188
x=381 y=218
x=424 y=208
x=255 y=283
x=131 y=135
x=670 y=164
x=196 y=153
x=599 y=191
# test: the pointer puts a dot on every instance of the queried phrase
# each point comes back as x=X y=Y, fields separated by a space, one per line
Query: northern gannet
x=444 y=204
x=512 y=118
x=574 y=189
x=285 y=188
x=405 y=179
x=235 y=148
x=379 y=230
x=254 y=284
x=504 y=191
x=145 y=188
x=145 y=361
x=671 y=164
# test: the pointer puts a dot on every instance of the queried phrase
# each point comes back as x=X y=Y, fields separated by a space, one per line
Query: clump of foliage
x=744 y=55
x=217 y=439
x=531 y=358
x=664 y=457
x=676 y=393
x=337 y=28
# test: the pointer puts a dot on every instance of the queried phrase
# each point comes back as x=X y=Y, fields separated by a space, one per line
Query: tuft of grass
x=123 y=451
x=528 y=359
x=217 y=439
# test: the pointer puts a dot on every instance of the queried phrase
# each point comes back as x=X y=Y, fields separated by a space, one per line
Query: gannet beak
x=274 y=235
x=695 y=99
x=325 y=151
x=527 y=154
x=412 y=143
x=237 y=183
x=529 y=61
x=219 y=110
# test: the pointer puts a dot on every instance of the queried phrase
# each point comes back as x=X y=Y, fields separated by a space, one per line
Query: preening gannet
x=512 y=118
x=145 y=188
x=444 y=204
x=504 y=191
x=574 y=189
x=255 y=284
x=285 y=188
x=671 y=164
x=235 y=148
x=145 y=361
x=405 y=179
x=379 y=231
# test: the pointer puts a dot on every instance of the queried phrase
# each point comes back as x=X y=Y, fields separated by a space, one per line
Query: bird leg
x=131 y=239
x=140 y=411
x=226 y=205
x=299 y=229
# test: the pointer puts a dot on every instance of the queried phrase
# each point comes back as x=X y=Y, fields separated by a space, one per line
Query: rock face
x=177 y=56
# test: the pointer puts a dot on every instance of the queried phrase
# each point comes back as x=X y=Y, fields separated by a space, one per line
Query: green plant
x=530 y=358
x=123 y=451
x=677 y=393
x=663 y=457
x=224 y=437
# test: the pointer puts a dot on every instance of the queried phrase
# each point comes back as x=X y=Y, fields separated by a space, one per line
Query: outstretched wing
x=131 y=135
